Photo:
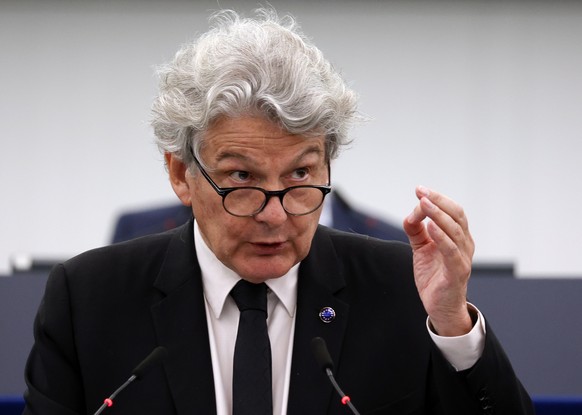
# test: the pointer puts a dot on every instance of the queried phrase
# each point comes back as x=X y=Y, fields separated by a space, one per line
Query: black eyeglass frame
x=224 y=191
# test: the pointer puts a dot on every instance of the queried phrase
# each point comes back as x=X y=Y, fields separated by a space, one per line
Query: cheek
x=208 y=211
x=306 y=227
x=309 y=223
x=206 y=204
x=220 y=230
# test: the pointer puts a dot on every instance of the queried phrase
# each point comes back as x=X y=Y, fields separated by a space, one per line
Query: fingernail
x=423 y=190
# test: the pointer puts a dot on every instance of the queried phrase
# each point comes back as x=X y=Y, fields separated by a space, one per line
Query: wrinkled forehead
x=251 y=136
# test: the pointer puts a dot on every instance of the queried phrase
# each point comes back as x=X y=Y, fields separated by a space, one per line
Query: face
x=252 y=151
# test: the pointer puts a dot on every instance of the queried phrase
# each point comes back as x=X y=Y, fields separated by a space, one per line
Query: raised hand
x=443 y=250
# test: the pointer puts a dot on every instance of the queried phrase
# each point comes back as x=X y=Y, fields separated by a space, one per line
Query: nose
x=273 y=212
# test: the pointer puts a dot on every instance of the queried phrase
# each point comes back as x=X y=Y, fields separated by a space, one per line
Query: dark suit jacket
x=105 y=310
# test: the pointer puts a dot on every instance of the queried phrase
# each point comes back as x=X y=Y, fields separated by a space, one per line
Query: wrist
x=454 y=325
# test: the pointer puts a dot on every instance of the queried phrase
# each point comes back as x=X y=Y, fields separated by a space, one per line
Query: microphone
x=319 y=349
x=155 y=357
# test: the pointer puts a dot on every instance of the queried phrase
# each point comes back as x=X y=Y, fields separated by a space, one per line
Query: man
x=249 y=117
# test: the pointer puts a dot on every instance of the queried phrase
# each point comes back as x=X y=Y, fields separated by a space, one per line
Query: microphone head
x=155 y=357
x=319 y=349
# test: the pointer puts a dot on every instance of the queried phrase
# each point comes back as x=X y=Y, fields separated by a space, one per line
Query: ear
x=178 y=173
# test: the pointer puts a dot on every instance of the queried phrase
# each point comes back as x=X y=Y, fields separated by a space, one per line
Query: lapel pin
x=327 y=314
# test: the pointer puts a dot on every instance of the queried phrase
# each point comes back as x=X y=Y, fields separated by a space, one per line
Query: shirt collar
x=218 y=280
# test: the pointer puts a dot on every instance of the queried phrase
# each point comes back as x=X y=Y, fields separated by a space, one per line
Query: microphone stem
x=340 y=392
x=101 y=409
x=109 y=401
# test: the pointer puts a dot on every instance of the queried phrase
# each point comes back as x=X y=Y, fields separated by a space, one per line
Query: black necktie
x=251 y=383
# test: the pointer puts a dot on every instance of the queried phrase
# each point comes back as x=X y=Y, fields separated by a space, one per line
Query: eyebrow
x=228 y=154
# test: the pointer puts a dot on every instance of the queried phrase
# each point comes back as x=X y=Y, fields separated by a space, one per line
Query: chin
x=259 y=271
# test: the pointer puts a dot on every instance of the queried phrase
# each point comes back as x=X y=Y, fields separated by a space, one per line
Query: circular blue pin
x=327 y=314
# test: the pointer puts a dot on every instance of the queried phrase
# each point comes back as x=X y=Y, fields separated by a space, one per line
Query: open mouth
x=268 y=247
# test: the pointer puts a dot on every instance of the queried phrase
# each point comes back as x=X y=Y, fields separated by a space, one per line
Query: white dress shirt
x=222 y=317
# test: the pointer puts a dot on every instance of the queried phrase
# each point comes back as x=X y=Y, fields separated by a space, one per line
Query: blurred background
x=481 y=100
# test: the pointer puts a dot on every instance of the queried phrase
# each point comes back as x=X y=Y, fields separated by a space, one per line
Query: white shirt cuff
x=462 y=352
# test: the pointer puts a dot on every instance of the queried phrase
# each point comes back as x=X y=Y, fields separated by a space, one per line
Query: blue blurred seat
x=558 y=405
x=543 y=405
x=11 y=405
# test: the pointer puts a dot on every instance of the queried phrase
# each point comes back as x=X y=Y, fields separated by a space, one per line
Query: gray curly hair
x=260 y=67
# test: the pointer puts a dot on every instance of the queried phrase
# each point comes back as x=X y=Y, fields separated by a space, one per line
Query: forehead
x=253 y=137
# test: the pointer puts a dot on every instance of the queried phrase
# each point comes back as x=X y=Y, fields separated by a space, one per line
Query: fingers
x=443 y=250
x=452 y=209
x=448 y=226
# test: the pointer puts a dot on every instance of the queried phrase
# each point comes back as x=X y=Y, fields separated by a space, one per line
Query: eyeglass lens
x=297 y=201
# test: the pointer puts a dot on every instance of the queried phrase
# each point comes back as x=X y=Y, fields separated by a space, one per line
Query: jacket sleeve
x=54 y=383
x=489 y=387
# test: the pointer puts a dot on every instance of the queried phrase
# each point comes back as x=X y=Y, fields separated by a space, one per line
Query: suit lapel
x=180 y=324
x=320 y=282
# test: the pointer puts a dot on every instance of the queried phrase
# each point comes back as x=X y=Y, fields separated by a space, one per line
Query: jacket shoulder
x=135 y=258
x=362 y=260
x=350 y=245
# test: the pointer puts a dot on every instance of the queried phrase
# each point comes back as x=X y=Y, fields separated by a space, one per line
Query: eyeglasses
x=250 y=201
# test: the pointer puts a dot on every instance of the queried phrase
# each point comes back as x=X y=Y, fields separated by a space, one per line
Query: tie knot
x=249 y=296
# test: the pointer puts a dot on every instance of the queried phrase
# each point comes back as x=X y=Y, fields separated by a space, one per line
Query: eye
x=240 y=176
x=300 y=174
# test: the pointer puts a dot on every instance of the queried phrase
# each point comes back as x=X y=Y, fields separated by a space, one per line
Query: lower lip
x=268 y=249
